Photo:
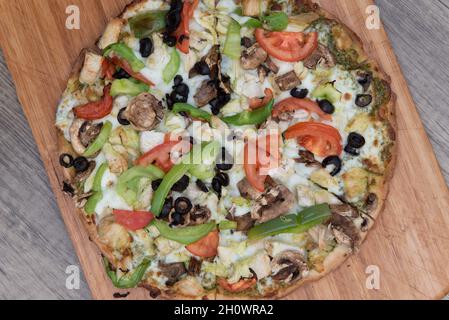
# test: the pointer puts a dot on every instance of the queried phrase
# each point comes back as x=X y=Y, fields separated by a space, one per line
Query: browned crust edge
x=340 y=253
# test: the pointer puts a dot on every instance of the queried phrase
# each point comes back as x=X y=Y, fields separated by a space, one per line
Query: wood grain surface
x=409 y=243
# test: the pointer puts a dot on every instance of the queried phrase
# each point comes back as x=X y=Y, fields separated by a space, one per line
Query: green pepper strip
x=194 y=112
x=126 y=53
x=203 y=168
x=173 y=176
x=171 y=69
x=99 y=177
x=127 y=182
x=130 y=280
x=129 y=87
x=97 y=195
x=185 y=235
x=276 y=21
x=232 y=47
x=255 y=117
x=227 y=225
x=145 y=24
x=99 y=142
x=292 y=223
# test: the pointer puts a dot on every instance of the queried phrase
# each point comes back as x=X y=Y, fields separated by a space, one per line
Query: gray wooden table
x=35 y=249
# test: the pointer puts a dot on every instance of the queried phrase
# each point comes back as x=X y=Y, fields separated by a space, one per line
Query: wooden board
x=409 y=243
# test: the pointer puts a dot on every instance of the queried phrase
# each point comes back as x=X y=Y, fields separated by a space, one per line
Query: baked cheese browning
x=170 y=81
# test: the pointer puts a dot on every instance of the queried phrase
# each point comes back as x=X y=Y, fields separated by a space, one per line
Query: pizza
x=226 y=149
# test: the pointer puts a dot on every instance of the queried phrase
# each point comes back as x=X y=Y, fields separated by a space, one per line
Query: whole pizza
x=226 y=149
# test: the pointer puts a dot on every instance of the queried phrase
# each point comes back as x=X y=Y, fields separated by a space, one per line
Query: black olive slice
x=183 y=205
x=182 y=184
x=121 y=120
x=352 y=151
x=216 y=185
x=146 y=47
x=202 y=68
x=300 y=94
x=356 y=140
x=155 y=184
x=121 y=74
x=166 y=209
x=80 y=164
x=334 y=161
x=202 y=186
x=223 y=178
x=326 y=106
x=363 y=100
x=66 y=160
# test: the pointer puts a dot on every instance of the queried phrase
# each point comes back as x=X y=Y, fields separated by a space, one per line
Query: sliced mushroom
x=194 y=268
x=114 y=235
x=206 y=93
x=345 y=231
x=344 y=210
x=289 y=266
x=271 y=65
x=199 y=215
x=75 y=129
x=253 y=57
x=288 y=81
x=273 y=203
x=321 y=56
x=212 y=59
x=245 y=222
x=144 y=112
x=173 y=272
x=307 y=158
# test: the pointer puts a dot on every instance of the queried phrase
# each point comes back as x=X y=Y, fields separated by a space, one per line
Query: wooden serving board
x=410 y=241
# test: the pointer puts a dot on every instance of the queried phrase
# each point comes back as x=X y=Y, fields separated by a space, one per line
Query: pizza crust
x=340 y=253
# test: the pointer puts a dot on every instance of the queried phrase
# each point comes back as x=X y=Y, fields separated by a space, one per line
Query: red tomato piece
x=96 y=110
x=255 y=103
x=133 y=220
x=293 y=104
x=183 y=32
x=160 y=155
x=287 y=46
x=239 y=286
x=125 y=66
x=206 y=247
x=320 y=139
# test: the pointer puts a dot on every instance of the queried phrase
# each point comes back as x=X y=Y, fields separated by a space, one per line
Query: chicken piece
x=111 y=34
x=114 y=235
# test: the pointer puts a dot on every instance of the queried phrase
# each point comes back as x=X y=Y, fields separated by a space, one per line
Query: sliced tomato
x=107 y=70
x=133 y=220
x=125 y=66
x=96 y=110
x=293 y=104
x=287 y=46
x=250 y=166
x=239 y=286
x=160 y=155
x=268 y=156
x=206 y=247
x=183 y=32
x=255 y=103
x=320 y=139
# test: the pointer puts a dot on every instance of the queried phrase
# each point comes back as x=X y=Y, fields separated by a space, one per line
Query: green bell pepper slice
x=92 y=202
x=125 y=52
x=194 y=112
x=310 y=217
x=129 y=280
x=128 y=87
x=145 y=24
x=232 y=47
x=99 y=177
x=227 y=225
x=100 y=140
x=127 y=183
x=291 y=223
x=172 y=68
x=203 y=168
x=247 y=117
x=184 y=235
x=276 y=21
x=173 y=176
